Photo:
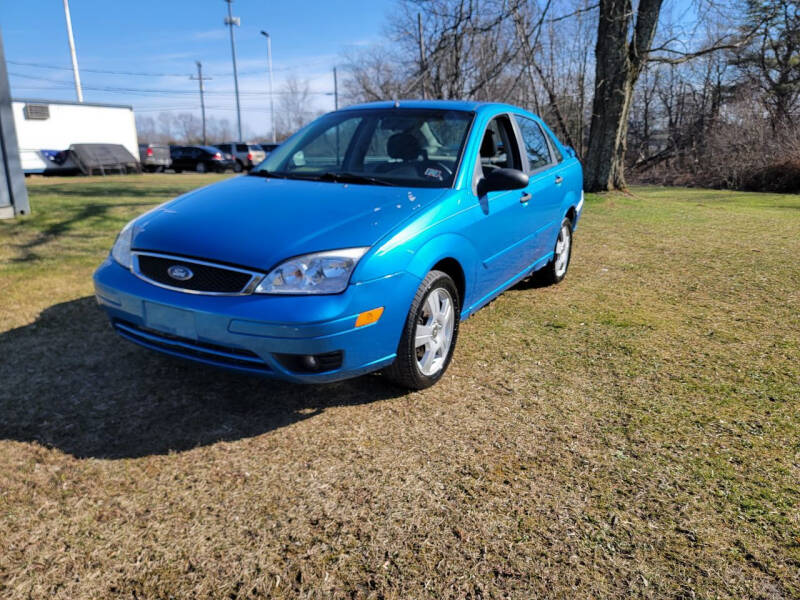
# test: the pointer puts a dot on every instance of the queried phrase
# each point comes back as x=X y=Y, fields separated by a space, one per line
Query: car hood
x=257 y=222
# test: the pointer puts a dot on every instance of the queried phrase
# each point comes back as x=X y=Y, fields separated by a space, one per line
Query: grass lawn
x=632 y=432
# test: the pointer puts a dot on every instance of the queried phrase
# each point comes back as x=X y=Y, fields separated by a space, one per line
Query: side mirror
x=571 y=152
x=499 y=180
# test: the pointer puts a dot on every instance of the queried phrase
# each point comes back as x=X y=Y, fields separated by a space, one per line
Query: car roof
x=465 y=105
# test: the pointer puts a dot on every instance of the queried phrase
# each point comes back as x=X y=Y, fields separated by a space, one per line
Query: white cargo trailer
x=46 y=127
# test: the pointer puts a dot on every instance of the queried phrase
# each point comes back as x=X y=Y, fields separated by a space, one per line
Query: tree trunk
x=618 y=63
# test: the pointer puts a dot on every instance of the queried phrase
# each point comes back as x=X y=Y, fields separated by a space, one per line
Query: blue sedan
x=359 y=244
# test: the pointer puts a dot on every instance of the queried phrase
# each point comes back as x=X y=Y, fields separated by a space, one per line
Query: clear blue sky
x=167 y=37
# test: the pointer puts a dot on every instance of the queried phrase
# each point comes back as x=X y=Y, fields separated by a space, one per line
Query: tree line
x=702 y=94
x=658 y=91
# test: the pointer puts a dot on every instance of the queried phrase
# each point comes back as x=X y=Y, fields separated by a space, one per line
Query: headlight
x=318 y=273
x=121 y=250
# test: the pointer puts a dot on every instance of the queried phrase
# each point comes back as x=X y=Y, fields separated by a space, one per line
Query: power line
x=38 y=65
x=127 y=90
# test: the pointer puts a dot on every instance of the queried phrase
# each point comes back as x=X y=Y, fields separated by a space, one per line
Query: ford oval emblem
x=180 y=272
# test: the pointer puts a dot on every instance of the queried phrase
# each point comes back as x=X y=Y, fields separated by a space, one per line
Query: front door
x=503 y=234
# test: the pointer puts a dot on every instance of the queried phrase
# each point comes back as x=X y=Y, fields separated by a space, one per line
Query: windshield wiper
x=329 y=176
x=265 y=173
x=351 y=178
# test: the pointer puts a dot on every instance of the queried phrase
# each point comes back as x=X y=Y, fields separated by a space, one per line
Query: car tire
x=201 y=167
x=555 y=271
x=178 y=170
x=237 y=167
x=434 y=316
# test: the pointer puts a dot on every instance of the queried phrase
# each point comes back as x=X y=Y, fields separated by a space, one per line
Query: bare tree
x=295 y=106
x=471 y=52
x=188 y=128
x=772 y=60
x=146 y=129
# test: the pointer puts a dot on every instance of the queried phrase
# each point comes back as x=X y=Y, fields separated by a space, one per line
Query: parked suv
x=154 y=157
x=246 y=155
x=200 y=159
x=268 y=148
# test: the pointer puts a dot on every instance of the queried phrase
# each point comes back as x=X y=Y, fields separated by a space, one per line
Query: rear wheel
x=429 y=335
x=201 y=167
x=237 y=167
x=556 y=269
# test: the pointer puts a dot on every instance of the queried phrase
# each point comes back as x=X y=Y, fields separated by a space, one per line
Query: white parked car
x=247 y=155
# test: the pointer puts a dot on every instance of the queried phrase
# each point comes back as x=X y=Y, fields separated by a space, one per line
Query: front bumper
x=246 y=333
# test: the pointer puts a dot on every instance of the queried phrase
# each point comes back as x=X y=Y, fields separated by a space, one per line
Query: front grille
x=225 y=356
x=206 y=278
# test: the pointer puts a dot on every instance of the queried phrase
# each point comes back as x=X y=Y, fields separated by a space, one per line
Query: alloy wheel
x=434 y=332
x=563 y=247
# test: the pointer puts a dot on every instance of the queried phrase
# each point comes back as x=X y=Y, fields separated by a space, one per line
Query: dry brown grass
x=632 y=432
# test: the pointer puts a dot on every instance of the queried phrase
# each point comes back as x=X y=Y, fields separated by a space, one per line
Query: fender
x=572 y=199
x=447 y=245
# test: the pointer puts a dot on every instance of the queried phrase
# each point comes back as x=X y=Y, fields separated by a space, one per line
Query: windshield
x=393 y=146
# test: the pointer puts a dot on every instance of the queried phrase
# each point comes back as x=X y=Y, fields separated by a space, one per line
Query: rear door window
x=535 y=143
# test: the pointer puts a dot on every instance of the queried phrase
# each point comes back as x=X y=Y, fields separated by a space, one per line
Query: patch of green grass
x=72 y=226
x=631 y=432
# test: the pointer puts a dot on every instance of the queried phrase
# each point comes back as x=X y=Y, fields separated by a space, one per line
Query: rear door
x=179 y=158
x=545 y=186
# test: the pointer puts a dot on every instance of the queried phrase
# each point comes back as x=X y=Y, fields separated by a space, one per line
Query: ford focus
x=358 y=245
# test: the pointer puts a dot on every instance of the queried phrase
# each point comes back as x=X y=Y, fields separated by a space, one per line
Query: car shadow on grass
x=70 y=383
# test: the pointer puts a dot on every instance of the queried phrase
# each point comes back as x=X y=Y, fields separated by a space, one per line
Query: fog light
x=311 y=363
x=369 y=317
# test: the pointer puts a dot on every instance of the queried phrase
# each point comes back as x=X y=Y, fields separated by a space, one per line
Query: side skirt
x=476 y=306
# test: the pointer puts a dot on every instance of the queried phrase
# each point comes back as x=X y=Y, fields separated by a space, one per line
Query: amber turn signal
x=369 y=317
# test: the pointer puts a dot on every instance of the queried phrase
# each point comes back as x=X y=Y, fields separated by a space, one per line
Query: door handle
x=559 y=179
x=525 y=198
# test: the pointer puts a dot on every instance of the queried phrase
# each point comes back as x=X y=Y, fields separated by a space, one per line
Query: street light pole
x=271 y=95
x=232 y=21
x=335 y=90
x=422 y=65
x=75 y=73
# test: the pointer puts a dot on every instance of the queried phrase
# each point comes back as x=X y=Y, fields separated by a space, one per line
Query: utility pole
x=232 y=21
x=75 y=73
x=422 y=69
x=200 y=79
x=335 y=90
x=271 y=95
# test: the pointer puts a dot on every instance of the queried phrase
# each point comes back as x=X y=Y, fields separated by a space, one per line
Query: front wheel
x=556 y=269
x=429 y=335
x=237 y=167
x=201 y=167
